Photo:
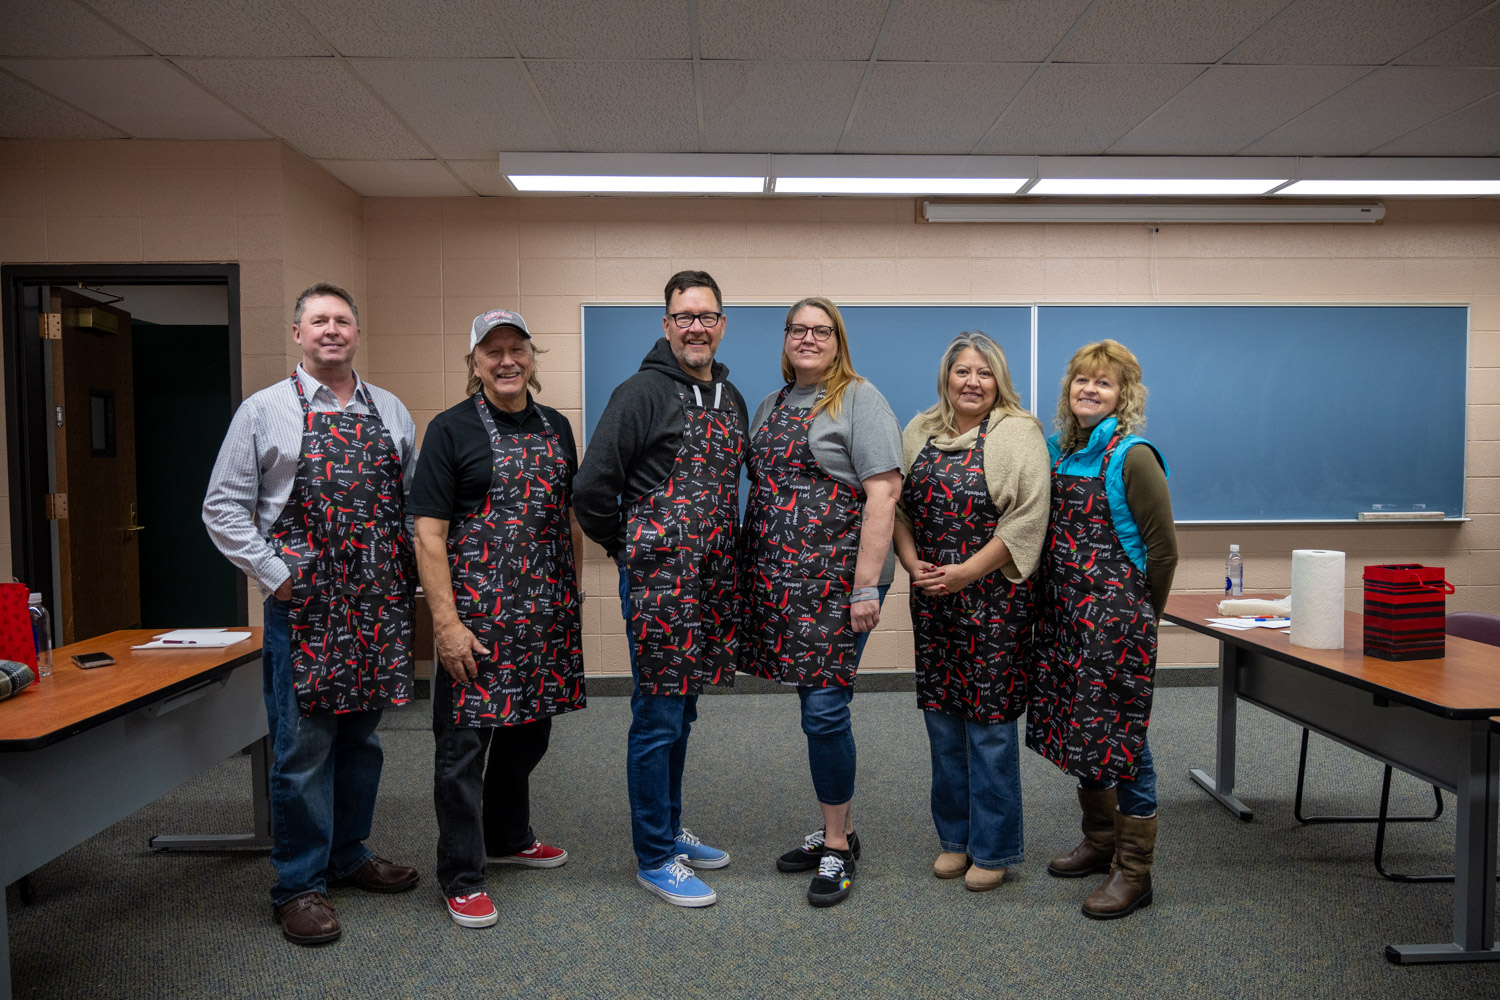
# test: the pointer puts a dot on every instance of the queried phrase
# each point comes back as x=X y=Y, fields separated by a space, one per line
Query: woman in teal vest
x=1106 y=571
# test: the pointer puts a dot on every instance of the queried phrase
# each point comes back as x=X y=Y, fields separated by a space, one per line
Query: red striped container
x=1405 y=606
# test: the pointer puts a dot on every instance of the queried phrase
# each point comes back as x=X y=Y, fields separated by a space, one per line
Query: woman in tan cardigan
x=970 y=528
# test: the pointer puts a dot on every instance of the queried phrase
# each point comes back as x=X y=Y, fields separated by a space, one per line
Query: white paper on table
x=1234 y=623
x=195 y=638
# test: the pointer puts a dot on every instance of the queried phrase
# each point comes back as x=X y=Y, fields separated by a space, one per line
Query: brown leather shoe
x=1128 y=887
x=1093 y=854
x=380 y=875
x=950 y=865
x=308 y=919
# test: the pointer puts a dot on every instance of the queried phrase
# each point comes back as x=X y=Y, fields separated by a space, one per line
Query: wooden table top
x=72 y=699
x=1463 y=684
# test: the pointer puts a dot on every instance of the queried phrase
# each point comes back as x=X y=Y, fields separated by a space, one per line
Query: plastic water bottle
x=1234 y=573
x=41 y=632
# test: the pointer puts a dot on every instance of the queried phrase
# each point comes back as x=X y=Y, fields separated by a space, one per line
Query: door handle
x=133 y=527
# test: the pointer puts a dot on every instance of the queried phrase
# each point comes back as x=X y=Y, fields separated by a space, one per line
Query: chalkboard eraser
x=1400 y=515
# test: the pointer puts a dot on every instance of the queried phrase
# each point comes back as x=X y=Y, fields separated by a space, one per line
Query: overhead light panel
x=635 y=173
x=900 y=175
x=1390 y=188
x=1189 y=187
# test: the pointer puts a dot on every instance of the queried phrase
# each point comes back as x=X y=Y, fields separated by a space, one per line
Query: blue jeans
x=655 y=754
x=1138 y=797
x=976 y=789
x=830 y=737
x=324 y=775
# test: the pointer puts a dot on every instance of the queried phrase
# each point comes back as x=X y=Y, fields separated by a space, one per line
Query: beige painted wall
x=421 y=269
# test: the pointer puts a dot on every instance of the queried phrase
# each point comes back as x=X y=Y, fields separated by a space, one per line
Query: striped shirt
x=257 y=467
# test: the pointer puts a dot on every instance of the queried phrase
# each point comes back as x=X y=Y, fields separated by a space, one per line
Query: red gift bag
x=1405 y=607
x=16 y=640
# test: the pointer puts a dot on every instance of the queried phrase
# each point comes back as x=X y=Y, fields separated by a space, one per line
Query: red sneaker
x=538 y=855
x=473 y=910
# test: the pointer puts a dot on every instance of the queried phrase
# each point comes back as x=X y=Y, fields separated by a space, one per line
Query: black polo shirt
x=455 y=464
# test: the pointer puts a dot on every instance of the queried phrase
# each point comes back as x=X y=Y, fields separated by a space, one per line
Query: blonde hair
x=841 y=374
x=942 y=417
x=475 y=385
x=1090 y=359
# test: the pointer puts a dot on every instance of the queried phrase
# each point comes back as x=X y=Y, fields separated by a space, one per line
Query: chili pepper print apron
x=1096 y=655
x=801 y=542
x=680 y=554
x=343 y=535
x=515 y=585
x=968 y=643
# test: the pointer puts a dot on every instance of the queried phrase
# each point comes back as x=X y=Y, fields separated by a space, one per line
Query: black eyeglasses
x=685 y=320
x=819 y=333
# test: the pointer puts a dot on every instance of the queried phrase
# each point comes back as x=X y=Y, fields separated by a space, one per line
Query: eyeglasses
x=685 y=320
x=819 y=333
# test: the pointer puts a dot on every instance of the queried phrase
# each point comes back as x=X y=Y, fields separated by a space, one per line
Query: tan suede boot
x=1092 y=855
x=1128 y=885
x=950 y=865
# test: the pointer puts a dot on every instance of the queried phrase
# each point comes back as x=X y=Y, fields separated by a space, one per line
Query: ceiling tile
x=239 y=28
x=1349 y=32
x=27 y=113
x=396 y=178
x=816 y=30
x=395 y=28
x=777 y=107
x=58 y=28
x=1166 y=31
x=145 y=98
x=465 y=109
x=1229 y=107
x=587 y=29
x=930 y=107
x=979 y=31
x=1469 y=131
x=1083 y=109
x=314 y=104
x=1474 y=42
x=621 y=107
x=1384 y=105
x=483 y=176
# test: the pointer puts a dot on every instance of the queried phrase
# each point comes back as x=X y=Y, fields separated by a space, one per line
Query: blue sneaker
x=676 y=884
x=696 y=854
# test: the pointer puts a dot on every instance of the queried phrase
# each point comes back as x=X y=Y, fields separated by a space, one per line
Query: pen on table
x=1263 y=618
x=180 y=642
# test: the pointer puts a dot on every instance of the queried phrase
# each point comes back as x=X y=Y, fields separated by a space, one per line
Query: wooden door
x=94 y=436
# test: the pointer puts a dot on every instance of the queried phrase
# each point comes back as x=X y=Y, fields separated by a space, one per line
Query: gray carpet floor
x=1252 y=910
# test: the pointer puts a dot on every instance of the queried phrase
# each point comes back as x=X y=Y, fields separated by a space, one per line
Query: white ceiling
x=419 y=97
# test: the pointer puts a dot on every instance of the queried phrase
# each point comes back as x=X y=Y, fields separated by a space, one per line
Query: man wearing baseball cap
x=495 y=553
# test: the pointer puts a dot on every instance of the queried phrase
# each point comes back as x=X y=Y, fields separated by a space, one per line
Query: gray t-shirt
x=864 y=441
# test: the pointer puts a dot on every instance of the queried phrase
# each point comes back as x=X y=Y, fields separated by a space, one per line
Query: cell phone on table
x=88 y=661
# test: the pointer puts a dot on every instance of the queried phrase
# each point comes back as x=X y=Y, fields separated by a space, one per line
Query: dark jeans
x=1138 y=797
x=831 y=754
x=655 y=755
x=324 y=776
x=483 y=806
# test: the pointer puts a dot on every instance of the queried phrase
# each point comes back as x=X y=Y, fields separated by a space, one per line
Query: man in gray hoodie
x=659 y=489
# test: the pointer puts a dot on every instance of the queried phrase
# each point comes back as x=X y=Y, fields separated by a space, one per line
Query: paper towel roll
x=1318 y=598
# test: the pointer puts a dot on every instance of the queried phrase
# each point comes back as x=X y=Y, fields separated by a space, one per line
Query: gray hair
x=943 y=417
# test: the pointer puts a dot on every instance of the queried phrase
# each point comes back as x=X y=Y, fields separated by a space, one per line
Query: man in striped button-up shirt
x=322 y=463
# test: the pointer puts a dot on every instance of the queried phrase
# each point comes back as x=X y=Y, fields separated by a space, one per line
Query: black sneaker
x=834 y=879
x=806 y=857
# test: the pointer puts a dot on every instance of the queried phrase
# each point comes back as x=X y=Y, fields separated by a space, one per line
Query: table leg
x=4 y=950
x=1474 y=863
x=258 y=839
x=1221 y=786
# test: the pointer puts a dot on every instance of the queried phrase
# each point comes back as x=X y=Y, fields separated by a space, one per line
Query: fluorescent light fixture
x=1392 y=188
x=1149 y=214
x=1158 y=186
x=635 y=173
x=898 y=174
x=615 y=184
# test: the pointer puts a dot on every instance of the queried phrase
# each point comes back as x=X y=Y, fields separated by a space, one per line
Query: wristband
x=864 y=594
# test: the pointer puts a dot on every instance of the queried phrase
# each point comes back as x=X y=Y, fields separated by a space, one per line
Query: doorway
x=121 y=381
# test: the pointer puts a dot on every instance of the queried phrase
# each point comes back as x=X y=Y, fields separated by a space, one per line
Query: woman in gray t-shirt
x=815 y=558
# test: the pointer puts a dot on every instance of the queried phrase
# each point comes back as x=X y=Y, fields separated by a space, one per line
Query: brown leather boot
x=1128 y=886
x=1092 y=855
